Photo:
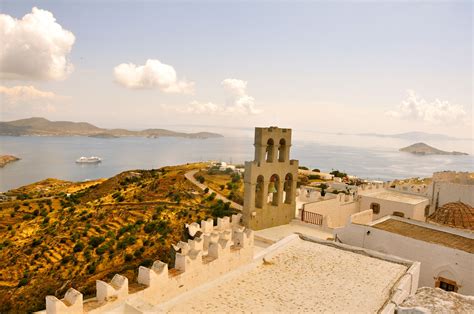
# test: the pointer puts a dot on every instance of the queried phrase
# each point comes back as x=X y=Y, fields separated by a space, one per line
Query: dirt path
x=190 y=176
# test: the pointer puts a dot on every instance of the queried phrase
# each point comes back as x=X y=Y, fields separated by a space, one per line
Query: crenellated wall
x=373 y=186
x=214 y=251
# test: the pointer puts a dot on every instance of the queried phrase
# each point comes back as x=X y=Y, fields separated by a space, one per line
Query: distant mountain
x=416 y=136
x=44 y=127
x=424 y=149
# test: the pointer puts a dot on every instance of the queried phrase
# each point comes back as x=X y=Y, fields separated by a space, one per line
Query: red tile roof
x=456 y=214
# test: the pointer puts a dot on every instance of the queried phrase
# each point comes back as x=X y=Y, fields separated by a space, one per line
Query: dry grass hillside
x=227 y=183
x=62 y=234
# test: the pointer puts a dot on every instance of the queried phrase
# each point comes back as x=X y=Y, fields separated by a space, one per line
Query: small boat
x=89 y=160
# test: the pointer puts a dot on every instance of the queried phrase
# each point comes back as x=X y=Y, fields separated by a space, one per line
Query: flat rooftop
x=299 y=276
x=427 y=234
x=394 y=196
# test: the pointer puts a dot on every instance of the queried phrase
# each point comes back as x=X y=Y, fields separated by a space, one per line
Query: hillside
x=424 y=149
x=61 y=234
x=42 y=127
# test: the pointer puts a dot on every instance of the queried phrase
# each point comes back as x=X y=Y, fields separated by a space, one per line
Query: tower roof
x=455 y=214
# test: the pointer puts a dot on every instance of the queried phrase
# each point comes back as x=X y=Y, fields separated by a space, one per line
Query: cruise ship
x=89 y=160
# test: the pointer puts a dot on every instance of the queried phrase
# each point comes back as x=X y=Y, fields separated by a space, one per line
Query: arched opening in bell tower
x=269 y=150
x=273 y=190
x=282 y=150
x=259 y=192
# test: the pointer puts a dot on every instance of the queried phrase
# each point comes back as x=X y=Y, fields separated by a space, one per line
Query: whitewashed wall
x=436 y=260
x=387 y=207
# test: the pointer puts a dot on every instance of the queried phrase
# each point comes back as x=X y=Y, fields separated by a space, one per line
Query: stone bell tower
x=270 y=180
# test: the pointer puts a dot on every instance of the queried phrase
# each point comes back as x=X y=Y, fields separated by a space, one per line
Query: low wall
x=335 y=211
x=362 y=218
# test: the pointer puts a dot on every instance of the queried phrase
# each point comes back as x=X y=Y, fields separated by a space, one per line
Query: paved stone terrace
x=302 y=276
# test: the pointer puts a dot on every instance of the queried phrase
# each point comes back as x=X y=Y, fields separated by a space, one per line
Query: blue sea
x=366 y=157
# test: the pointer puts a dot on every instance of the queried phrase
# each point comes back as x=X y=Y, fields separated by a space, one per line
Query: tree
x=200 y=179
x=338 y=174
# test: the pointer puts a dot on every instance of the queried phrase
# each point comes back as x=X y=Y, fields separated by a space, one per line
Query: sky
x=349 y=67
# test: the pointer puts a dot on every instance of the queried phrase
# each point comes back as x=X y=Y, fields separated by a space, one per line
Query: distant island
x=424 y=149
x=6 y=159
x=416 y=136
x=104 y=135
x=44 y=127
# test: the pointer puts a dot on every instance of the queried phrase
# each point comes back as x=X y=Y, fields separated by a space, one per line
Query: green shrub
x=23 y=282
x=78 y=247
x=212 y=196
x=102 y=249
x=36 y=242
x=27 y=216
x=200 y=179
x=146 y=263
x=235 y=178
x=338 y=174
x=96 y=241
x=91 y=269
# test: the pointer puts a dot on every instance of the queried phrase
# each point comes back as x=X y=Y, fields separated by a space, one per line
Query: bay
x=54 y=157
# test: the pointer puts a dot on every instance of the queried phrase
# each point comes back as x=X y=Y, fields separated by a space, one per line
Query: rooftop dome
x=456 y=214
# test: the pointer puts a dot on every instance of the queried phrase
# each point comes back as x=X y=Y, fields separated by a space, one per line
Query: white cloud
x=435 y=112
x=27 y=99
x=239 y=103
x=153 y=74
x=35 y=47
x=25 y=93
x=235 y=86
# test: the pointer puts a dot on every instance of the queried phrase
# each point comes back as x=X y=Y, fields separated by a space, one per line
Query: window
x=375 y=207
x=398 y=214
x=446 y=284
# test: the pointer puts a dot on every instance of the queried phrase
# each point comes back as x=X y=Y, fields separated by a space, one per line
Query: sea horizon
x=365 y=157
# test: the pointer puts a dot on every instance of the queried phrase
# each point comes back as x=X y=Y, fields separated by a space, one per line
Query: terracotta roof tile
x=456 y=214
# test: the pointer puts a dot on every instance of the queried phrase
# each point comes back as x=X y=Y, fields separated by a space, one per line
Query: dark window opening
x=375 y=208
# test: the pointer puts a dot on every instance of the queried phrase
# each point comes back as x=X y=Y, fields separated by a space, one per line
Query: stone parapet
x=215 y=251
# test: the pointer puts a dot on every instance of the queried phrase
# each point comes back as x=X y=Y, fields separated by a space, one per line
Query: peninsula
x=44 y=127
x=6 y=159
x=424 y=149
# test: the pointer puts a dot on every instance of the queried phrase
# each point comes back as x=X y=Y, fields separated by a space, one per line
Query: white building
x=337 y=209
x=446 y=254
x=386 y=202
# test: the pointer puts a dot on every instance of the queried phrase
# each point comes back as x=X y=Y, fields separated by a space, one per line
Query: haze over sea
x=363 y=156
